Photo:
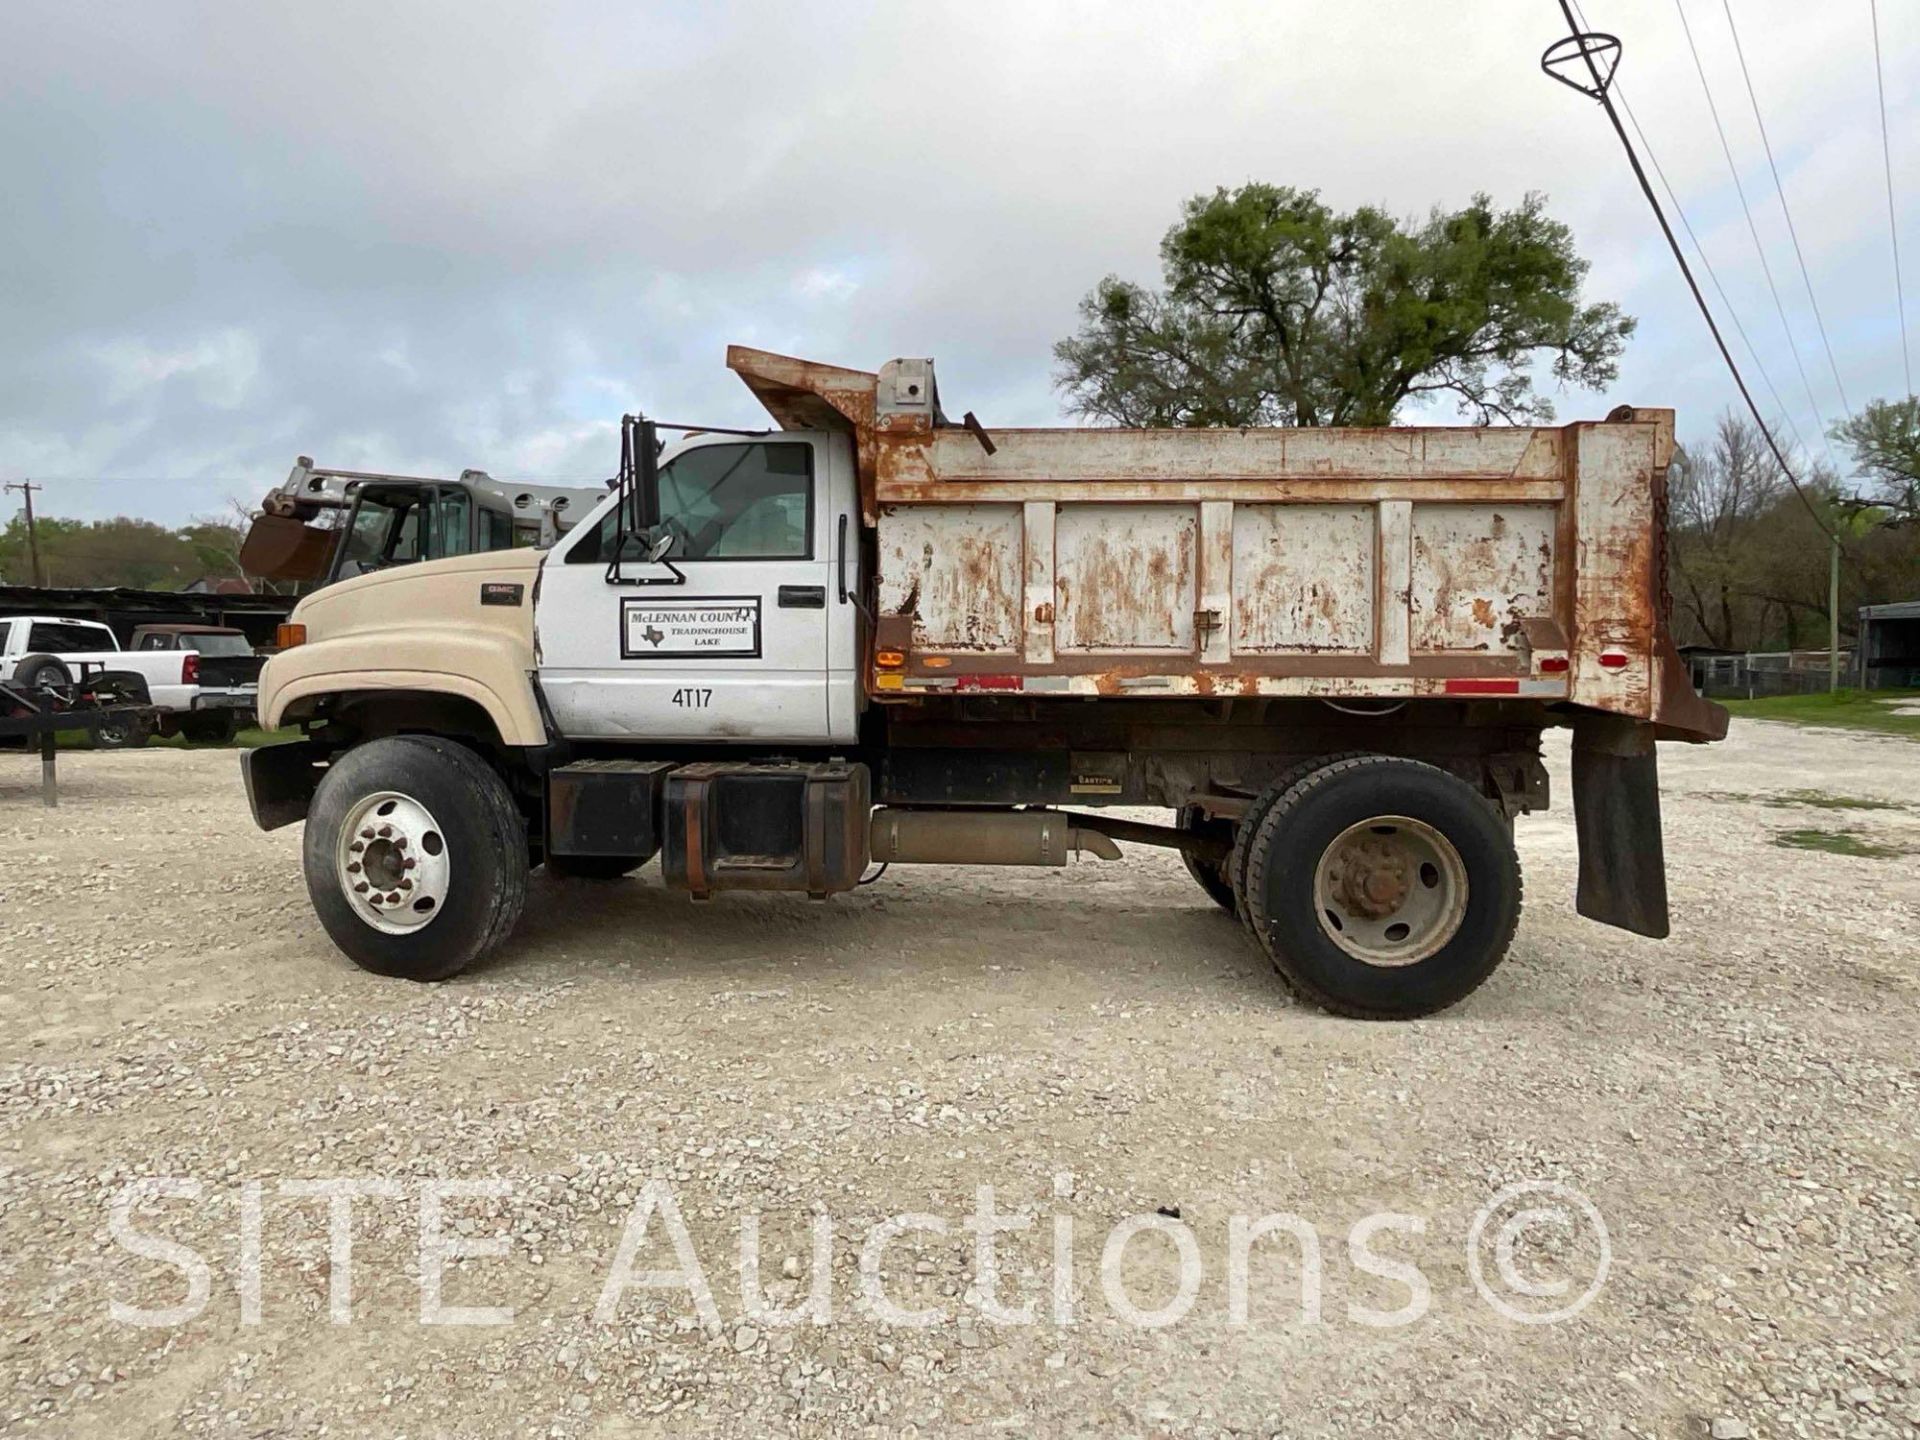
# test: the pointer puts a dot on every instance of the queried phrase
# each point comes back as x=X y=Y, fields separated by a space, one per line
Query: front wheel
x=415 y=857
x=1383 y=888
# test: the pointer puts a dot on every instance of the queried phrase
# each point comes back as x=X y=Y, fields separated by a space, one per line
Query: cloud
x=433 y=236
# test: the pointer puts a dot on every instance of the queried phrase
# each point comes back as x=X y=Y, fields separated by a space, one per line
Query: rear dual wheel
x=1379 y=887
x=1210 y=875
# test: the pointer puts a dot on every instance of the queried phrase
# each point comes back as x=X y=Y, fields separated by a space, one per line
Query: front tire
x=415 y=857
x=1383 y=888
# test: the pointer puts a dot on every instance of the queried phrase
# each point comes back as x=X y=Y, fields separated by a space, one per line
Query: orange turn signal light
x=286 y=636
x=890 y=659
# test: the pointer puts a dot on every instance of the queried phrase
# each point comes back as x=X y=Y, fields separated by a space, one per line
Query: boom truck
x=320 y=525
x=867 y=634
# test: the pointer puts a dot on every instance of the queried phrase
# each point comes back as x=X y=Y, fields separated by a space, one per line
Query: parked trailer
x=872 y=635
x=33 y=717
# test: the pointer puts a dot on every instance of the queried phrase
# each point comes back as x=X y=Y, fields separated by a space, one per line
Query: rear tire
x=465 y=837
x=593 y=867
x=210 y=727
x=1383 y=888
x=1250 y=824
x=121 y=732
x=1211 y=875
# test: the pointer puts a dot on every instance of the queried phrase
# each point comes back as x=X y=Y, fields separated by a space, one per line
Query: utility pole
x=26 y=488
x=1833 y=616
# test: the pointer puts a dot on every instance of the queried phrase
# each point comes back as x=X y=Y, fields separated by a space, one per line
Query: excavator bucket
x=279 y=547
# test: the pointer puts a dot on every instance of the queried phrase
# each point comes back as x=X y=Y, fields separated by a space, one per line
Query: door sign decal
x=723 y=627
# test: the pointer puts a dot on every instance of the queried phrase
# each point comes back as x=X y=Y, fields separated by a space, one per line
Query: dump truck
x=870 y=635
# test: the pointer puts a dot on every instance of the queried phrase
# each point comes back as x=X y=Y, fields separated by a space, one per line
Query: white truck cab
x=744 y=630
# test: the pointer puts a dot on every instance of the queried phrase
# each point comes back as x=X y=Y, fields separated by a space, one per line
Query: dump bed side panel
x=1257 y=562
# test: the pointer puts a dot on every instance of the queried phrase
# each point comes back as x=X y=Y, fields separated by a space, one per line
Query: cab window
x=69 y=637
x=727 y=502
x=449 y=524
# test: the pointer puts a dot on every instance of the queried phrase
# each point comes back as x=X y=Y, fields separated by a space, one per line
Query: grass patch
x=1837 y=842
x=1811 y=799
x=1821 y=800
x=1843 y=709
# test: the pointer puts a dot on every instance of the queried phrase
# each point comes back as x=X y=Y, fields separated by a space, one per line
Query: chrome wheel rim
x=391 y=863
x=1390 y=891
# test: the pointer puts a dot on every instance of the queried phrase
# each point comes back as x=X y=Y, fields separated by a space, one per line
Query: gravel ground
x=1097 y=1043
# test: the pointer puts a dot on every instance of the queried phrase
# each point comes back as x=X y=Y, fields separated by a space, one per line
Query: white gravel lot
x=1738 y=1103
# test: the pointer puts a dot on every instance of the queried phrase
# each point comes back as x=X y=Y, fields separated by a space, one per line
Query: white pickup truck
x=50 y=652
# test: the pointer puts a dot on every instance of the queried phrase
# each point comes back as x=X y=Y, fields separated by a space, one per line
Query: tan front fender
x=424 y=628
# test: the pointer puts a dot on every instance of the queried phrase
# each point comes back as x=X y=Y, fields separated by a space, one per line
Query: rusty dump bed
x=1416 y=561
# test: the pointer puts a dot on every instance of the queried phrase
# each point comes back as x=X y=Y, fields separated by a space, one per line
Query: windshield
x=385 y=531
x=723 y=502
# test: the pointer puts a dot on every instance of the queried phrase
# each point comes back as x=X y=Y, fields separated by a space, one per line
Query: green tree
x=1884 y=440
x=121 y=551
x=1278 y=311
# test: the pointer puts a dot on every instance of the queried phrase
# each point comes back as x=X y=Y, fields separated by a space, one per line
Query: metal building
x=1889 y=646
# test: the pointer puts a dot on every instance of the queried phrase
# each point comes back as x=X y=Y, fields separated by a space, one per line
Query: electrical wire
x=1599 y=92
x=1893 y=224
x=1781 y=190
x=1753 y=351
x=1760 y=250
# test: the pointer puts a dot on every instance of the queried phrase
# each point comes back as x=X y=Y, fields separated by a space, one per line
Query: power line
x=1893 y=225
x=1760 y=250
x=1781 y=190
x=1599 y=92
x=1753 y=352
x=1700 y=249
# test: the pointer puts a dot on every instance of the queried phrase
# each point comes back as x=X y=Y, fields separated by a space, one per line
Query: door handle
x=803 y=597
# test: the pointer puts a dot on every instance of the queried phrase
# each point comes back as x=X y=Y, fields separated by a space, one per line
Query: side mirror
x=660 y=547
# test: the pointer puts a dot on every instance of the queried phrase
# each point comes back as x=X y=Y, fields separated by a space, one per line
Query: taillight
x=190 y=671
x=1553 y=665
x=1613 y=660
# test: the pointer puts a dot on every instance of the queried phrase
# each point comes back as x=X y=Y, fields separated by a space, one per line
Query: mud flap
x=1616 y=814
x=280 y=781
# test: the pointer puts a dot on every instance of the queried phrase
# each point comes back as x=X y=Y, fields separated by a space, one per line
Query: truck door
x=743 y=636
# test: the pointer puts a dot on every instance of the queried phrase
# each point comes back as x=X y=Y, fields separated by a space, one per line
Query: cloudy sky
x=423 y=236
